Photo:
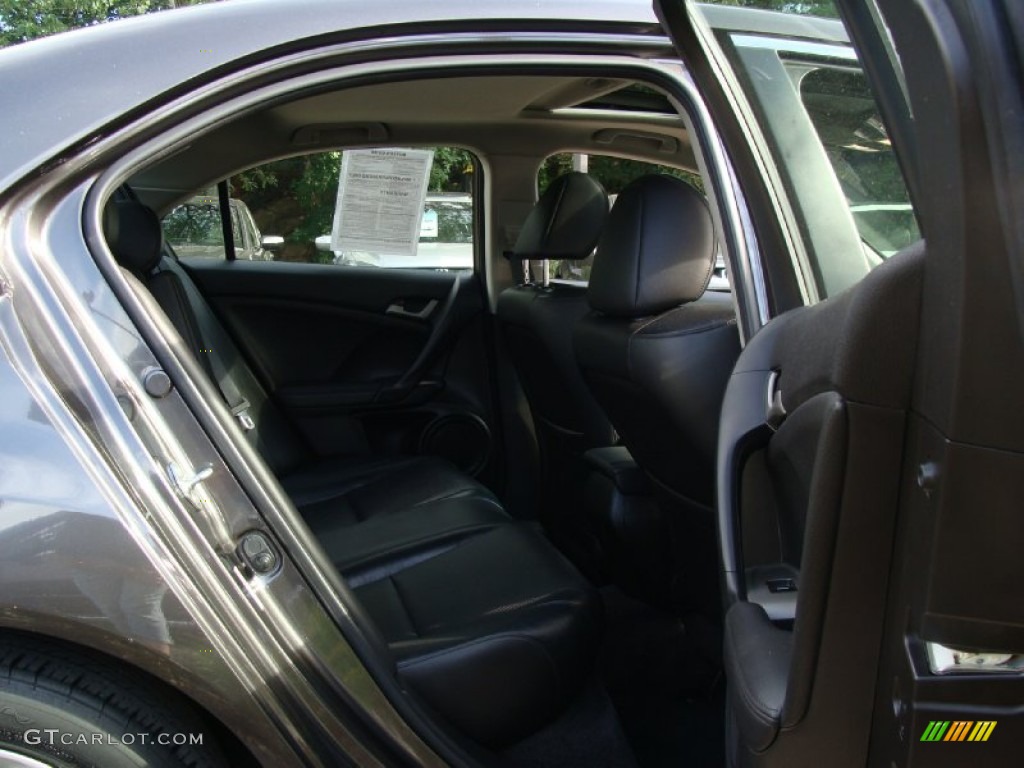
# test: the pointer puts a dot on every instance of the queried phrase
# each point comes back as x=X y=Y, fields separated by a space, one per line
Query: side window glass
x=391 y=214
x=847 y=122
x=194 y=229
x=614 y=173
x=823 y=129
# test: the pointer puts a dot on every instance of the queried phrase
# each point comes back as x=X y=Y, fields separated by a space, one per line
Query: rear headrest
x=566 y=222
x=657 y=250
x=133 y=235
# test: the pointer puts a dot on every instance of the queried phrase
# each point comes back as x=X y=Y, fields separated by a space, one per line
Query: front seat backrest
x=656 y=350
x=537 y=321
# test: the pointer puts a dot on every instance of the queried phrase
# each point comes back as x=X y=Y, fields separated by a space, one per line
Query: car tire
x=64 y=708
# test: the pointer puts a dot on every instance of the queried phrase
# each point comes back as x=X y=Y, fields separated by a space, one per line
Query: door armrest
x=757 y=661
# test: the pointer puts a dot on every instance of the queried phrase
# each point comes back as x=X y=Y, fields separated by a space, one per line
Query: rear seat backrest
x=135 y=238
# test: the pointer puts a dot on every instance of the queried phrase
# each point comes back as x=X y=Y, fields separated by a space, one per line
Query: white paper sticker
x=381 y=193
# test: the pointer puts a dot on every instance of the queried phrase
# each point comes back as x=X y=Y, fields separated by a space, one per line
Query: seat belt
x=203 y=331
x=235 y=400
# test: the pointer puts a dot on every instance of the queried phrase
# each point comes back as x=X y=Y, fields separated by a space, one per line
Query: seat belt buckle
x=241 y=412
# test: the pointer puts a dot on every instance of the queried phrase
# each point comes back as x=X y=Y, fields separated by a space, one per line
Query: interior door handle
x=412 y=377
x=398 y=309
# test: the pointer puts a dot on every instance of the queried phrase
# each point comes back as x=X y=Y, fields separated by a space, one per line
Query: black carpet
x=664 y=677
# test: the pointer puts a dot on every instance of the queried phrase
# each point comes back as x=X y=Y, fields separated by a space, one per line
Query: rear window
x=388 y=208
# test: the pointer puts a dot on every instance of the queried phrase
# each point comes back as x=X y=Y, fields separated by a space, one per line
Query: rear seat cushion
x=496 y=631
x=340 y=492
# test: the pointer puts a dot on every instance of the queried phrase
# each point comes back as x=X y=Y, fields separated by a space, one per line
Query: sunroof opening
x=632 y=98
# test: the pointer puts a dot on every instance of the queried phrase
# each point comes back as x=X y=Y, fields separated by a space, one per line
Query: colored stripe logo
x=958 y=730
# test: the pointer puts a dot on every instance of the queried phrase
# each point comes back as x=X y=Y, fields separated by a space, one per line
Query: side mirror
x=323 y=243
x=272 y=242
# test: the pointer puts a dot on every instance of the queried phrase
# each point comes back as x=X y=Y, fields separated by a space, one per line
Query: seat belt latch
x=241 y=412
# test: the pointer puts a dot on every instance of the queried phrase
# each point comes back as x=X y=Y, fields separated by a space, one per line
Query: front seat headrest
x=566 y=222
x=657 y=250
x=133 y=235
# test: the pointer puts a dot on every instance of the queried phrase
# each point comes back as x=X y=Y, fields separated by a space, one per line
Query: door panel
x=927 y=541
x=364 y=360
x=809 y=464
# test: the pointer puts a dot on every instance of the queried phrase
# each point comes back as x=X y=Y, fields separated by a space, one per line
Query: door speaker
x=461 y=438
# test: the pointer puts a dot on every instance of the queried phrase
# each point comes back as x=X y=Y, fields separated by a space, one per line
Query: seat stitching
x=639 y=255
x=366 y=561
x=405 y=606
x=545 y=653
x=344 y=487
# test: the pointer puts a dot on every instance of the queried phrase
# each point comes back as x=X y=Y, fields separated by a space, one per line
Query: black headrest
x=133 y=235
x=657 y=250
x=566 y=222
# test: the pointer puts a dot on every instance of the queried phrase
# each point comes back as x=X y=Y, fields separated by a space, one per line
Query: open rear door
x=871 y=459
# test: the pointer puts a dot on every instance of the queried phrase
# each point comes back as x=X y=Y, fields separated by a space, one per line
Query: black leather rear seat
x=485 y=620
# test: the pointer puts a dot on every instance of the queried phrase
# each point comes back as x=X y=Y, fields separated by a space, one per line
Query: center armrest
x=616 y=463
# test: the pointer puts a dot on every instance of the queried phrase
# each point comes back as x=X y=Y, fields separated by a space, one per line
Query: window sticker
x=381 y=194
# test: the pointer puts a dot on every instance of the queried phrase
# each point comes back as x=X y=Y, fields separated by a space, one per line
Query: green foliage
x=552 y=168
x=194 y=224
x=316 y=191
x=23 y=20
x=614 y=173
x=801 y=7
x=295 y=197
x=256 y=179
x=452 y=170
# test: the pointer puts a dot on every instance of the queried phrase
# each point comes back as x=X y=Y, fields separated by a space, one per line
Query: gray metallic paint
x=261 y=655
x=96 y=74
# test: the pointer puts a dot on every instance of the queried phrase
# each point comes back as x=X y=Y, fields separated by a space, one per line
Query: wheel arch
x=143 y=663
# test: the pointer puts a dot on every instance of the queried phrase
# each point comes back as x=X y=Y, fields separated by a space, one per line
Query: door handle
x=397 y=309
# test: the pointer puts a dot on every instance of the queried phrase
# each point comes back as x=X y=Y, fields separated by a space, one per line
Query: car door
x=870 y=449
x=374 y=356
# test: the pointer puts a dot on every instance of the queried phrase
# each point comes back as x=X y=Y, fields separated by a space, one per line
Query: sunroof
x=632 y=98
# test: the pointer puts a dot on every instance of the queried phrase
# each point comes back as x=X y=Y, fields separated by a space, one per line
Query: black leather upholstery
x=566 y=222
x=496 y=631
x=656 y=350
x=537 y=322
x=758 y=655
x=342 y=493
x=631 y=526
x=617 y=464
x=134 y=236
x=657 y=250
x=484 y=619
